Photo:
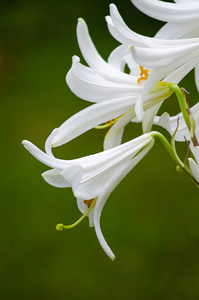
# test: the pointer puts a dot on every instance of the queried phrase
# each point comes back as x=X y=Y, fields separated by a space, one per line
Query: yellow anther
x=143 y=74
x=141 y=70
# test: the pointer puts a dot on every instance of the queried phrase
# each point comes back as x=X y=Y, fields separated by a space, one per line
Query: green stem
x=166 y=144
x=182 y=102
x=172 y=152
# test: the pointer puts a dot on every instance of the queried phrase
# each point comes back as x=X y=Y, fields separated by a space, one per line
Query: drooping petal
x=93 y=182
x=149 y=116
x=109 y=187
x=153 y=58
x=169 y=12
x=93 y=58
x=54 y=178
x=124 y=35
x=88 y=163
x=116 y=58
x=91 y=117
x=178 y=31
x=170 y=69
x=87 y=84
x=46 y=159
x=114 y=135
x=179 y=73
x=49 y=140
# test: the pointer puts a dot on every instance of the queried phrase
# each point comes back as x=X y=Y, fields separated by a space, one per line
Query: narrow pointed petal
x=49 y=141
x=178 y=31
x=116 y=58
x=93 y=182
x=93 y=58
x=110 y=186
x=149 y=116
x=152 y=58
x=114 y=135
x=169 y=12
x=176 y=75
x=46 y=159
x=91 y=117
x=124 y=35
x=87 y=84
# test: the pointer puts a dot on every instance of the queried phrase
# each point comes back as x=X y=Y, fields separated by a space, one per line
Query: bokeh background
x=151 y=220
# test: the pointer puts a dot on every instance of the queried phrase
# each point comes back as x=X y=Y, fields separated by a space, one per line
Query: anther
x=88 y=202
x=143 y=74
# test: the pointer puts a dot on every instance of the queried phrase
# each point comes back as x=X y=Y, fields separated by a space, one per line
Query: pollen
x=88 y=202
x=144 y=74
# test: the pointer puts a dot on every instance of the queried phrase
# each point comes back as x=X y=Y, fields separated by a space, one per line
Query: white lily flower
x=168 y=60
x=115 y=92
x=94 y=177
x=182 y=17
x=171 y=123
x=170 y=65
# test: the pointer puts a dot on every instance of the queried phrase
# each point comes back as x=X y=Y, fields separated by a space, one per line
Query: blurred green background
x=150 y=221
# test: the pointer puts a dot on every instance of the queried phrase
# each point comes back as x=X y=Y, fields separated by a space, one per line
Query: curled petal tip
x=25 y=143
x=75 y=59
x=112 y=6
x=81 y=20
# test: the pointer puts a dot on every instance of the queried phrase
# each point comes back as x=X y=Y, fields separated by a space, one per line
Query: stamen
x=143 y=74
x=90 y=204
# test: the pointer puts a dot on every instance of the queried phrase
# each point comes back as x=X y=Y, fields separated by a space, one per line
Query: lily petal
x=194 y=168
x=169 y=12
x=114 y=135
x=91 y=117
x=54 y=178
x=89 y=85
x=93 y=58
x=107 y=191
